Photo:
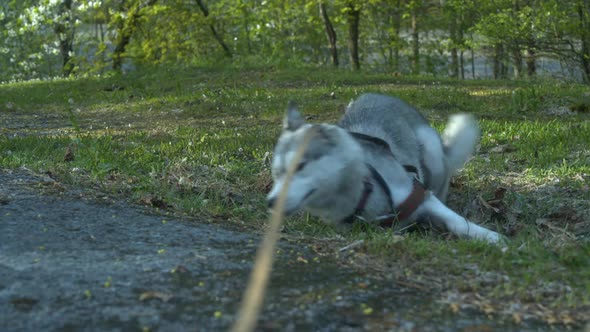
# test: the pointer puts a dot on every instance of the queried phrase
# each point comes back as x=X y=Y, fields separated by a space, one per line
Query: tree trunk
x=516 y=47
x=462 y=64
x=126 y=31
x=461 y=54
x=65 y=35
x=531 y=62
x=585 y=60
x=517 y=58
x=216 y=35
x=472 y=58
x=454 y=53
x=397 y=26
x=583 y=13
x=330 y=33
x=498 y=62
x=472 y=62
x=354 y=16
x=415 y=43
x=247 y=30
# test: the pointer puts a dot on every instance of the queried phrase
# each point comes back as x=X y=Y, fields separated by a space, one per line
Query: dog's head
x=319 y=173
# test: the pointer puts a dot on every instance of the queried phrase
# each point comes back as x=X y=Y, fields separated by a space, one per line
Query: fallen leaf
x=567 y=319
x=499 y=193
x=487 y=308
x=155 y=295
x=180 y=269
x=512 y=226
x=107 y=283
x=456 y=183
x=517 y=318
x=23 y=302
x=368 y=311
x=565 y=213
x=551 y=319
x=69 y=155
x=155 y=202
x=302 y=260
x=504 y=148
x=113 y=87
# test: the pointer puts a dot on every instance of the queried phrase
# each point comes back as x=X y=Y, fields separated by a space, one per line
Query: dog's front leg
x=455 y=223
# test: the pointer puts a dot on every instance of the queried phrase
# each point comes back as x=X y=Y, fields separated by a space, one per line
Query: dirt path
x=69 y=263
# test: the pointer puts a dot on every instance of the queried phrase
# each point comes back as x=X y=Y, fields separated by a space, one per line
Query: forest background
x=498 y=39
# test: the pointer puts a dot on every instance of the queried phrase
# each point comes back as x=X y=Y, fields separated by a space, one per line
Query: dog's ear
x=293 y=119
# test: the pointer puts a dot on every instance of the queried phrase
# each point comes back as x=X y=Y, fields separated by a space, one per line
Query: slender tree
x=353 y=15
x=216 y=35
x=397 y=27
x=583 y=15
x=64 y=30
x=330 y=33
x=415 y=32
x=126 y=30
x=453 y=32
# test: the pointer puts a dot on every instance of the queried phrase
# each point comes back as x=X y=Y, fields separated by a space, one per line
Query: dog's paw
x=495 y=238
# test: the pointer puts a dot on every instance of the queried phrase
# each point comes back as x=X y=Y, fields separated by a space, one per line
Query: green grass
x=200 y=140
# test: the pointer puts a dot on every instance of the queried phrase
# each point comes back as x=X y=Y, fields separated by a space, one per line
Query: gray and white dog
x=383 y=163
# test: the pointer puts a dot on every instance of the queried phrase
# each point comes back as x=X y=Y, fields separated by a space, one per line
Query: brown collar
x=403 y=211
x=408 y=206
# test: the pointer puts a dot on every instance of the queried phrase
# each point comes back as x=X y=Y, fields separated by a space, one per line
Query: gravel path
x=70 y=263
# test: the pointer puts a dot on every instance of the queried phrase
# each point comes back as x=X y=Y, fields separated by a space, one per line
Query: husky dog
x=383 y=163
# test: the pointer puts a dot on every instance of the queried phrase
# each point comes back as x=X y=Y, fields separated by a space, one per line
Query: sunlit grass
x=201 y=140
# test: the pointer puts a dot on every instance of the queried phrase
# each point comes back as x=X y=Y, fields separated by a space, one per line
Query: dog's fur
x=330 y=179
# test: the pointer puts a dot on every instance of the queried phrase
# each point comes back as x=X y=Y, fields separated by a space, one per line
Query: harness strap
x=381 y=181
x=406 y=208
x=403 y=211
x=364 y=198
x=368 y=189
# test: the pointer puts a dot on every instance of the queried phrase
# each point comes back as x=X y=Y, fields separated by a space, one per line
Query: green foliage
x=281 y=33
x=525 y=99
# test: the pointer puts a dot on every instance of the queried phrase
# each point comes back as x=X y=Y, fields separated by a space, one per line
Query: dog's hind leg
x=455 y=223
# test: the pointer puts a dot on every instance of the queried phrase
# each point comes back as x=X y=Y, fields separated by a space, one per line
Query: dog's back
x=386 y=107
x=391 y=120
x=411 y=138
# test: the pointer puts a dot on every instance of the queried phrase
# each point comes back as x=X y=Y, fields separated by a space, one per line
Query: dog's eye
x=300 y=166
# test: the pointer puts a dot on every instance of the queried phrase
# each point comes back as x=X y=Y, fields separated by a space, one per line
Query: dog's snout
x=271 y=202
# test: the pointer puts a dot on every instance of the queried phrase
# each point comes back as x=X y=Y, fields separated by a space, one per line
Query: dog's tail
x=459 y=139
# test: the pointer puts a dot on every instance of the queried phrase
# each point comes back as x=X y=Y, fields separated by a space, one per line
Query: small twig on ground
x=352 y=245
x=487 y=205
x=411 y=285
